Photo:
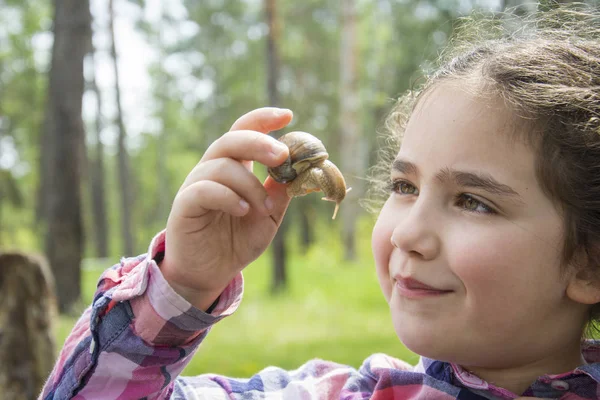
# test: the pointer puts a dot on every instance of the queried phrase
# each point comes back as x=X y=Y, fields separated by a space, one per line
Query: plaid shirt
x=138 y=335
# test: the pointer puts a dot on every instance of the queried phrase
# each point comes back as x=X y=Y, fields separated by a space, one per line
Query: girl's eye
x=403 y=187
x=463 y=200
x=469 y=203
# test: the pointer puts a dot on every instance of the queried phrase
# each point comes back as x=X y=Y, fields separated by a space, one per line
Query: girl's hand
x=223 y=217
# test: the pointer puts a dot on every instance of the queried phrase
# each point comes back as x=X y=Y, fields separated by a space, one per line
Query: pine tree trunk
x=279 y=281
x=125 y=181
x=62 y=141
x=306 y=215
x=97 y=172
x=353 y=149
x=27 y=309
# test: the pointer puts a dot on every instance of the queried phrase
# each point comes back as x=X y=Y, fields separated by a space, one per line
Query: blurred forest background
x=106 y=105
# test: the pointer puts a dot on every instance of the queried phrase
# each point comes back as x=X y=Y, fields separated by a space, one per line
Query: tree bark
x=279 y=280
x=306 y=215
x=125 y=181
x=353 y=149
x=304 y=204
x=97 y=172
x=9 y=194
x=62 y=141
x=27 y=309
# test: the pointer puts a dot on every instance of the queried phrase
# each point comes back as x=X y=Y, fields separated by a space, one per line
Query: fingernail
x=244 y=205
x=281 y=111
x=269 y=204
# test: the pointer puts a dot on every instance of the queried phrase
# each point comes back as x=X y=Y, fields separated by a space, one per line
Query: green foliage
x=334 y=311
x=22 y=88
x=9 y=189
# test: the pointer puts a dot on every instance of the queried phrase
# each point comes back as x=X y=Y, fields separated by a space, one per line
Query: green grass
x=332 y=310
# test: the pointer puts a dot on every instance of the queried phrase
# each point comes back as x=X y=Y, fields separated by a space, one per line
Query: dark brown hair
x=547 y=71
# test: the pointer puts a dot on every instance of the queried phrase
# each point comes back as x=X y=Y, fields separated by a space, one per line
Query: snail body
x=308 y=169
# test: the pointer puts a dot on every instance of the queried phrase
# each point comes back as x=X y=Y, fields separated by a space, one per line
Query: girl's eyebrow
x=404 y=167
x=462 y=178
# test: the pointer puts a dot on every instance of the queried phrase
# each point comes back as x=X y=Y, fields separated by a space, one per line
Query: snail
x=307 y=169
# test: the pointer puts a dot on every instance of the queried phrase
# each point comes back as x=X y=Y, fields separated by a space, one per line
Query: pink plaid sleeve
x=137 y=336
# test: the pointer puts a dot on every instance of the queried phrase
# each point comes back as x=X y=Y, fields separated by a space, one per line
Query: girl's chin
x=426 y=341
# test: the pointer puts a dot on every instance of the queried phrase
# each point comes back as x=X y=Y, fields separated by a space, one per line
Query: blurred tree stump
x=27 y=308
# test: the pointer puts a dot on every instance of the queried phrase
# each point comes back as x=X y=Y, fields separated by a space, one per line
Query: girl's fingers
x=219 y=182
x=236 y=177
x=263 y=120
x=247 y=145
x=203 y=196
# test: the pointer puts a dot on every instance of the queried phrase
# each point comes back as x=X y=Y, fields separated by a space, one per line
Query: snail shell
x=305 y=151
x=309 y=170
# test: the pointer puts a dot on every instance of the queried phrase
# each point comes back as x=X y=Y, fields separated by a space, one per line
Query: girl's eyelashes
x=465 y=201
x=402 y=187
x=471 y=204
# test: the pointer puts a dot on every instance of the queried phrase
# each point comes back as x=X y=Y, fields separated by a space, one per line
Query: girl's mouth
x=414 y=289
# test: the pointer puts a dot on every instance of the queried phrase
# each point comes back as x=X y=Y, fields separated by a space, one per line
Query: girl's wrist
x=201 y=300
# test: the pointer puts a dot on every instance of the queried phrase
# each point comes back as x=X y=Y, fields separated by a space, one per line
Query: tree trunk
x=97 y=186
x=62 y=137
x=353 y=150
x=27 y=309
x=279 y=281
x=306 y=215
x=9 y=194
x=125 y=181
x=304 y=204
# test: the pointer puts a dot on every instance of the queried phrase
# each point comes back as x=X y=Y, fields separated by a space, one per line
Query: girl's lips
x=413 y=288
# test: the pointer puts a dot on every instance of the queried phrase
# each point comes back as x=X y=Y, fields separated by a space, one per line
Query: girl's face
x=467 y=246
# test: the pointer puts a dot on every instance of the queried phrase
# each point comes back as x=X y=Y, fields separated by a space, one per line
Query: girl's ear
x=584 y=283
x=583 y=289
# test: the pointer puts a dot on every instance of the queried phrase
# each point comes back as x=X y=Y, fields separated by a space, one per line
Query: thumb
x=277 y=192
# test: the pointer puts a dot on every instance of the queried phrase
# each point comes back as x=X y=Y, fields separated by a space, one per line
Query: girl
x=487 y=247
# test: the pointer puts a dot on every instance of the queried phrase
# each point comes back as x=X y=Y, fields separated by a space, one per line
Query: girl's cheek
x=382 y=249
x=484 y=265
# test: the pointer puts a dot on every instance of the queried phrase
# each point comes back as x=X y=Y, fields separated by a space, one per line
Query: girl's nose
x=416 y=233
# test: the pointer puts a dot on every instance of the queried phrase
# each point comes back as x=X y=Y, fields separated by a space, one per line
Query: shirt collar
x=453 y=373
x=590 y=350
